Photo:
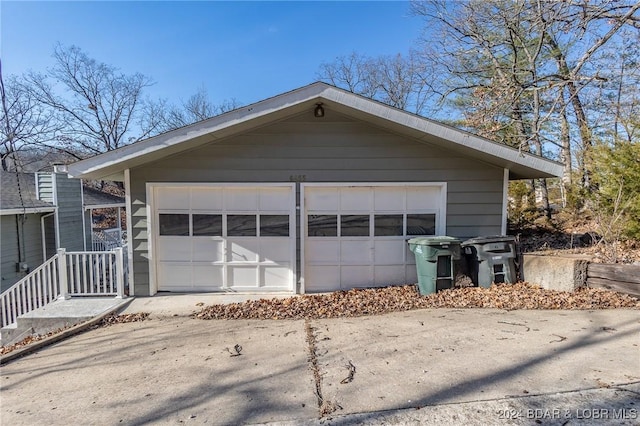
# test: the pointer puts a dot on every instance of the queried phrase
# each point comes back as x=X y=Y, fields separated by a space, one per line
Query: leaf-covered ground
x=361 y=302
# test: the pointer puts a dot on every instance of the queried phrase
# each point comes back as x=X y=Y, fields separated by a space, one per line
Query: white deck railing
x=107 y=239
x=97 y=273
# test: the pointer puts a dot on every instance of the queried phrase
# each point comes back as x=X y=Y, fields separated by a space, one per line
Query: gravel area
x=361 y=302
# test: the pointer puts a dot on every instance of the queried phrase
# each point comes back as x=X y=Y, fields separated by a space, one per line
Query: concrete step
x=58 y=315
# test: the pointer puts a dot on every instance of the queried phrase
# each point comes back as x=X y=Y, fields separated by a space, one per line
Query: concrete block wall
x=557 y=272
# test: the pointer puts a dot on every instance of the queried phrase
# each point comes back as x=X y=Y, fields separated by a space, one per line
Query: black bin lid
x=489 y=240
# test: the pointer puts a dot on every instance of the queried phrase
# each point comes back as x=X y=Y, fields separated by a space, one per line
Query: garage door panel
x=356 y=199
x=322 y=199
x=242 y=276
x=324 y=278
x=389 y=252
x=242 y=250
x=389 y=199
x=421 y=198
x=322 y=251
x=210 y=199
x=176 y=249
x=389 y=275
x=274 y=199
x=275 y=276
x=208 y=276
x=174 y=275
x=355 y=276
x=208 y=249
x=411 y=274
x=355 y=252
x=275 y=250
x=172 y=197
x=241 y=199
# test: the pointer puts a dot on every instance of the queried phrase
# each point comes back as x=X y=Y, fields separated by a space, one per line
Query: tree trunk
x=565 y=153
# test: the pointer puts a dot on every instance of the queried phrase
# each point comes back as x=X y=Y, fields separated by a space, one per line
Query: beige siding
x=333 y=149
x=30 y=240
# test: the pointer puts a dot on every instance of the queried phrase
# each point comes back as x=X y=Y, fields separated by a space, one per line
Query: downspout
x=54 y=191
x=19 y=233
x=84 y=222
x=505 y=201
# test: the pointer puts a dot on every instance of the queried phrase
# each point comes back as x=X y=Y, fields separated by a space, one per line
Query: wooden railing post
x=63 y=279
x=119 y=273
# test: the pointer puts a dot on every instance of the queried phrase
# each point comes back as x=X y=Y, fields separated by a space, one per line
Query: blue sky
x=243 y=50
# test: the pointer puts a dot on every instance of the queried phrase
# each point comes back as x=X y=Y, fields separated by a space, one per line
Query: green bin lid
x=434 y=241
x=489 y=240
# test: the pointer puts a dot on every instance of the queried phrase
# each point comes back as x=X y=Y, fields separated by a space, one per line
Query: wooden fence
x=616 y=277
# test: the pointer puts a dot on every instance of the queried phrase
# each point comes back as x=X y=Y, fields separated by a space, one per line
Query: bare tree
x=27 y=128
x=196 y=108
x=513 y=68
x=403 y=82
x=99 y=108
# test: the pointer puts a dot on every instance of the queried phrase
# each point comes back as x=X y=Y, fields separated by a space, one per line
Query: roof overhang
x=103 y=206
x=30 y=210
x=111 y=165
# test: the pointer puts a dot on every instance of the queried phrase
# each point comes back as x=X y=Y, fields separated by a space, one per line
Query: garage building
x=313 y=190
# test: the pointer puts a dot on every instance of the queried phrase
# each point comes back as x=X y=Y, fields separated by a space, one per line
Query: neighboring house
x=314 y=190
x=39 y=213
x=99 y=237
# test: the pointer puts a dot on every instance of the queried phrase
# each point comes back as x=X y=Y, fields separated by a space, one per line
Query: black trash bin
x=491 y=259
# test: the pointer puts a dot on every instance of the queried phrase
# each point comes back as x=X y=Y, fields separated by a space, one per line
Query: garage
x=355 y=234
x=312 y=190
x=224 y=237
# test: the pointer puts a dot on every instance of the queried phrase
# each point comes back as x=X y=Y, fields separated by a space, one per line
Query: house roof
x=18 y=194
x=111 y=165
x=94 y=198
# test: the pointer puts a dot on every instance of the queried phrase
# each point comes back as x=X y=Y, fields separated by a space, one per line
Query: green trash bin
x=491 y=259
x=435 y=265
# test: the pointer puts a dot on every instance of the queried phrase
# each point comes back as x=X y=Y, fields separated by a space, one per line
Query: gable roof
x=18 y=194
x=111 y=165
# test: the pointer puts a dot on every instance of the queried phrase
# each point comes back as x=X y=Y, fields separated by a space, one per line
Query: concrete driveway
x=419 y=367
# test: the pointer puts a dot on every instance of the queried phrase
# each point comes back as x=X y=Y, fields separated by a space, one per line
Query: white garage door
x=236 y=237
x=356 y=235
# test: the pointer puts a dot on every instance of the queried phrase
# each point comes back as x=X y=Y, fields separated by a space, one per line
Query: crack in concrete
x=325 y=407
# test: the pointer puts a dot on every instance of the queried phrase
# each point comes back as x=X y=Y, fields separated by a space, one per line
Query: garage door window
x=241 y=225
x=353 y=225
x=274 y=225
x=174 y=224
x=421 y=224
x=207 y=225
x=322 y=225
x=387 y=225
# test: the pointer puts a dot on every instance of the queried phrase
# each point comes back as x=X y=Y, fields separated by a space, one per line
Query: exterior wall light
x=319 y=111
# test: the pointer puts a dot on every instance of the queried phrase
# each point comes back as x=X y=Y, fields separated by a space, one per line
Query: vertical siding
x=31 y=241
x=70 y=212
x=334 y=149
